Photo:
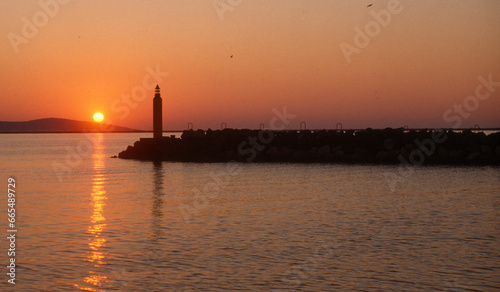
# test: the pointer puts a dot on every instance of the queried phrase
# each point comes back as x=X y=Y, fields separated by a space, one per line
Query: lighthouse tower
x=157 y=114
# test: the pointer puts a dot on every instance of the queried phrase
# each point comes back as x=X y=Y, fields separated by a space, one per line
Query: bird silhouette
x=231 y=56
x=369 y=5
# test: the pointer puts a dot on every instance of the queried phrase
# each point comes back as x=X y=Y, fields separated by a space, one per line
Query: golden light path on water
x=96 y=255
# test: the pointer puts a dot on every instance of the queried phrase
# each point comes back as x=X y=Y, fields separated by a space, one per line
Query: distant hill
x=55 y=125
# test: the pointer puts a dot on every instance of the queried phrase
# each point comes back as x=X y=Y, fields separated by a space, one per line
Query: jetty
x=372 y=146
x=387 y=146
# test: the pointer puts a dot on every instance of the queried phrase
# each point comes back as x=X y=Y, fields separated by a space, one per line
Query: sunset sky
x=71 y=59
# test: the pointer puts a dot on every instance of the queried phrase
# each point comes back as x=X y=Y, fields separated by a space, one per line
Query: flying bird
x=369 y=5
x=231 y=56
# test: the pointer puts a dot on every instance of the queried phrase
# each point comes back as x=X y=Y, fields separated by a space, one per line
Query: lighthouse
x=157 y=114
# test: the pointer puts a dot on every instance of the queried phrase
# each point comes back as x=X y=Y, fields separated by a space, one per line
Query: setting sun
x=98 y=117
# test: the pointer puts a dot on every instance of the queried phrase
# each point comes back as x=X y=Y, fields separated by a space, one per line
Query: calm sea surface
x=90 y=222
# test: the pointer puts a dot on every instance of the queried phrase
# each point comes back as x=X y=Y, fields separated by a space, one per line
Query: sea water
x=89 y=222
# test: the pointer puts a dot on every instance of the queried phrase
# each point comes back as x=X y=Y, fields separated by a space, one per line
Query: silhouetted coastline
x=57 y=125
x=388 y=146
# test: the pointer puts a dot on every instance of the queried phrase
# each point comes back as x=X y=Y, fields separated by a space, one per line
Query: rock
x=324 y=150
x=272 y=151
x=285 y=151
x=393 y=154
x=339 y=155
x=485 y=149
x=389 y=144
x=299 y=155
x=199 y=134
x=382 y=155
x=337 y=148
x=313 y=151
x=442 y=152
x=473 y=156
x=454 y=154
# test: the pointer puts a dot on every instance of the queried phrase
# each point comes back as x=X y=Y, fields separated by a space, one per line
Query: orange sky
x=86 y=55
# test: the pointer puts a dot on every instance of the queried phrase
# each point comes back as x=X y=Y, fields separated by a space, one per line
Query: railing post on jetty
x=303 y=123
x=190 y=126
x=339 y=126
x=477 y=128
x=223 y=126
x=261 y=126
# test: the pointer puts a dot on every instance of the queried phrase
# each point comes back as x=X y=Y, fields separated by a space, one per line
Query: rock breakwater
x=387 y=146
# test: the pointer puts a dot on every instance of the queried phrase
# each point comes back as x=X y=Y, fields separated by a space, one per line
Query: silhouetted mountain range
x=55 y=125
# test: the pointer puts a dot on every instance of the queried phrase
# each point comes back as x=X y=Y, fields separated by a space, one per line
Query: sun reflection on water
x=97 y=242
